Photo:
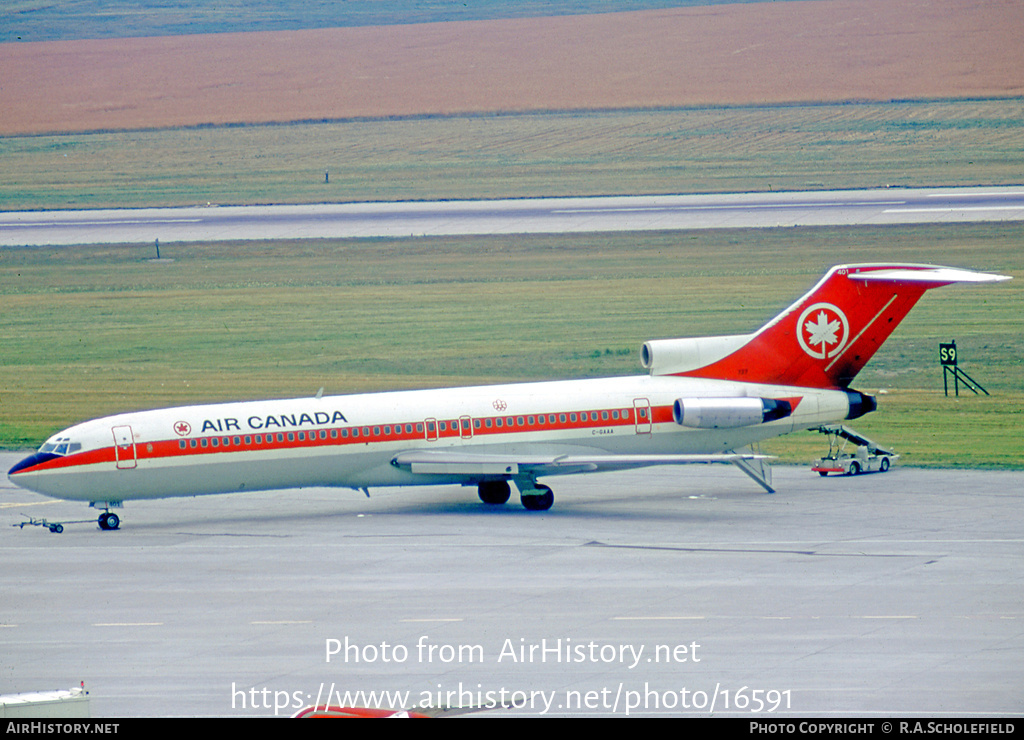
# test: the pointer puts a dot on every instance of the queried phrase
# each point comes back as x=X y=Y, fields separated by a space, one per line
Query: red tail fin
x=825 y=338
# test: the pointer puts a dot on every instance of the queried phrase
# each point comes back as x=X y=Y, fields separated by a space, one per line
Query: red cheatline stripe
x=406 y=431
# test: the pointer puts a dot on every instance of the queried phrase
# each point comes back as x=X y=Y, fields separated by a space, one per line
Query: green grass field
x=808 y=147
x=90 y=331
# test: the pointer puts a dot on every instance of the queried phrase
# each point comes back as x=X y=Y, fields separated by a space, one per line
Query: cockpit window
x=60 y=446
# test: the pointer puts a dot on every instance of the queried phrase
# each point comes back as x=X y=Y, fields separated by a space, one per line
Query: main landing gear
x=494 y=491
x=534 y=497
x=539 y=498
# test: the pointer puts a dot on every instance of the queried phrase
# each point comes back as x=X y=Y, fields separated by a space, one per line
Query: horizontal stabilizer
x=932 y=275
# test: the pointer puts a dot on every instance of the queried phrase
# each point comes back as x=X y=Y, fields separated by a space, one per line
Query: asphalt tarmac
x=658 y=592
x=525 y=216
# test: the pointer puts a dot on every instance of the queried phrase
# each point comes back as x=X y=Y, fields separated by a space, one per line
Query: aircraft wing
x=455 y=462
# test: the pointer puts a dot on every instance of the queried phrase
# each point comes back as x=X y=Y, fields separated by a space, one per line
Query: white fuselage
x=351 y=441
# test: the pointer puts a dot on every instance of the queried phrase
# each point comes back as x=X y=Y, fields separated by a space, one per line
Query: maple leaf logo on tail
x=823 y=330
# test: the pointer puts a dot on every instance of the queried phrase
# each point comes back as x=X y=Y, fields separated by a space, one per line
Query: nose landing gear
x=107 y=520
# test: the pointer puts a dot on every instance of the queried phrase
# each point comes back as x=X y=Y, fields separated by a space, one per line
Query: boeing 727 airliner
x=703 y=400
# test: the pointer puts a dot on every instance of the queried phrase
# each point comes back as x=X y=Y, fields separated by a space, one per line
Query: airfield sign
x=948 y=360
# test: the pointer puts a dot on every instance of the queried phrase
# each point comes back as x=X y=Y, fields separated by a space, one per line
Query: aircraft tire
x=109 y=521
x=543 y=502
x=494 y=492
x=854 y=468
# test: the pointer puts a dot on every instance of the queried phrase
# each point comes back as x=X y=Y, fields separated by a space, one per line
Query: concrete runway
x=549 y=215
x=671 y=592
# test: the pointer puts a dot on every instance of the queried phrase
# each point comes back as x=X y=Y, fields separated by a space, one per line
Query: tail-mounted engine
x=728 y=413
x=860 y=404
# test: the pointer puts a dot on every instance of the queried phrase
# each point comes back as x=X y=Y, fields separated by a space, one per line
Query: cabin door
x=642 y=415
x=124 y=447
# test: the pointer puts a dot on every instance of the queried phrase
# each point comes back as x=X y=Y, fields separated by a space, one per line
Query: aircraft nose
x=30 y=462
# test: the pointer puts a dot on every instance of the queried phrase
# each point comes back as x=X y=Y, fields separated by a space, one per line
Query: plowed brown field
x=830 y=50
